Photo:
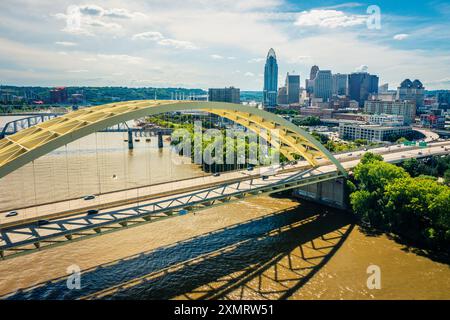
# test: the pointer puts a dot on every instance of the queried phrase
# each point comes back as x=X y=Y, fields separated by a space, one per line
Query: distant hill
x=99 y=95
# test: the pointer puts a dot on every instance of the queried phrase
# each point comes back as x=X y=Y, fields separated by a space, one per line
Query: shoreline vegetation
x=414 y=209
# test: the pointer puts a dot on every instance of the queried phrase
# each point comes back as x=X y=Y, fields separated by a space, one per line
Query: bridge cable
x=67 y=174
x=34 y=187
x=97 y=165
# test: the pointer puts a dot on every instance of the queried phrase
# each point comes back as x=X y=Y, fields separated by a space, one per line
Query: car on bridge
x=43 y=222
x=11 y=214
x=90 y=197
x=92 y=212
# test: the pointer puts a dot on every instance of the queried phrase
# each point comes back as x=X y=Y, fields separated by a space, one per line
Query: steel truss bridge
x=16 y=150
x=13 y=127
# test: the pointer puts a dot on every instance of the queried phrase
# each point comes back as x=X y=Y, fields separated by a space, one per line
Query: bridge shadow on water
x=270 y=257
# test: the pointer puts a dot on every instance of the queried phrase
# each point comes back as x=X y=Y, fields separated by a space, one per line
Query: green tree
x=374 y=176
x=407 y=203
x=370 y=157
x=365 y=206
x=440 y=209
x=387 y=197
x=447 y=176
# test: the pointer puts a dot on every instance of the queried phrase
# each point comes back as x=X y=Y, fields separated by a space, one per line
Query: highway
x=430 y=136
x=22 y=236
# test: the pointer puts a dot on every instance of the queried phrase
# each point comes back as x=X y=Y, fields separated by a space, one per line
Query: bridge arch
x=27 y=145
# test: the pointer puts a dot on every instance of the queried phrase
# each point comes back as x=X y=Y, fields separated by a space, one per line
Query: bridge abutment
x=332 y=193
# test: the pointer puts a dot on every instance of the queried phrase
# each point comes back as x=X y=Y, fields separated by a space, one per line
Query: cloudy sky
x=212 y=43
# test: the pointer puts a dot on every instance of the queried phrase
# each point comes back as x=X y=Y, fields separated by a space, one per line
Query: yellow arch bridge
x=27 y=145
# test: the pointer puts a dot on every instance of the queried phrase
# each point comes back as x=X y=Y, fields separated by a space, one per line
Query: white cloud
x=401 y=36
x=256 y=60
x=121 y=57
x=97 y=11
x=163 y=41
x=219 y=57
x=91 y=9
x=249 y=74
x=178 y=44
x=300 y=59
x=122 y=14
x=65 y=43
x=329 y=19
x=345 y=5
x=362 y=68
x=103 y=24
x=78 y=71
x=79 y=18
x=150 y=35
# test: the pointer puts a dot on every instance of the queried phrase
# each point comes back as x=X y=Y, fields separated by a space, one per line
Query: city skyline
x=143 y=45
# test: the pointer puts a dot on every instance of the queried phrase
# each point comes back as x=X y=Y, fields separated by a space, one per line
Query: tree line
x=388 y=198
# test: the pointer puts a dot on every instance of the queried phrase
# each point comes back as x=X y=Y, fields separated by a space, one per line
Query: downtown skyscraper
x=323 y=85
x=270 y=80
x=293 y=88
x=361 y=85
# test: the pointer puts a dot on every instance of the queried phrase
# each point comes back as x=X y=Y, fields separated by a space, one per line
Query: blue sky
x=205 y=43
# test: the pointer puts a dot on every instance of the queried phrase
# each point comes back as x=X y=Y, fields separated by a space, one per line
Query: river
x=267 y=247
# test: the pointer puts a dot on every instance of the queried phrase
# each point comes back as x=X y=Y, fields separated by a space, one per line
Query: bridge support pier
x=130 y=140
x=332 y=193
x=160 y=140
